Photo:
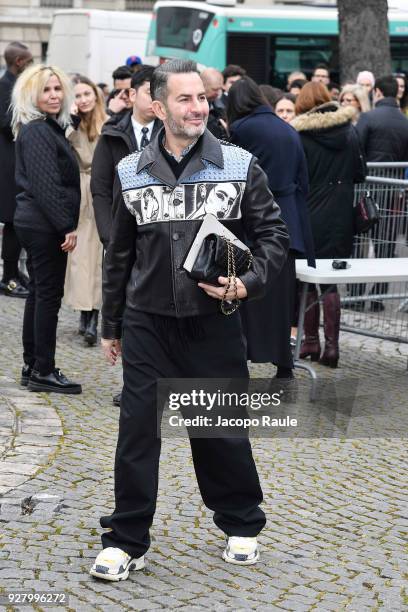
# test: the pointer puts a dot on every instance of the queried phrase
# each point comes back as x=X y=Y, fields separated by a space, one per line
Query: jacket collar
x=152 y=159
x=324 y=117
x=123 y=128
x=260 y=110
x=118 y=125
x=9 y=76
x=54 y=124
x=387 y=101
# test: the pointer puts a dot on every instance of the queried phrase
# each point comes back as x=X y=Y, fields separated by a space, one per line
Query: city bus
x=269 y=42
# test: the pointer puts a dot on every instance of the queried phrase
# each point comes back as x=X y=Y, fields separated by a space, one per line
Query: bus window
x=399 y=54
x=251 y=52
x=182 y=28
x=269 y=59
x=290 y=53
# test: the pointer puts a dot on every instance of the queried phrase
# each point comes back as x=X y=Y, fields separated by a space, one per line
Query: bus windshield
x=182 y=28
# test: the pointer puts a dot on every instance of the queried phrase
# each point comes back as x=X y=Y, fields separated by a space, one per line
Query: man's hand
x=70 y=242
x=111 y=349
x=218 y=292
x=119 y=102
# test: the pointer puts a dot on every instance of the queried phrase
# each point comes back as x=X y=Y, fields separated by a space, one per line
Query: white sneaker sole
x=134 y=565
x=235 y=562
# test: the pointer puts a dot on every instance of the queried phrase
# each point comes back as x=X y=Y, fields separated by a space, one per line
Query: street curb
x=32 y=438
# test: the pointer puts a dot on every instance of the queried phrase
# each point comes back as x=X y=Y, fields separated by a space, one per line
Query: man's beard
x=191 y=131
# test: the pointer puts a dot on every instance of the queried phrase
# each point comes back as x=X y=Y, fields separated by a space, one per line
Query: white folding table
x=360 y=271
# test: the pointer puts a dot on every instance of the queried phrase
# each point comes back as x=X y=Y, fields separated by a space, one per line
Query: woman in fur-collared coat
x=335 y=164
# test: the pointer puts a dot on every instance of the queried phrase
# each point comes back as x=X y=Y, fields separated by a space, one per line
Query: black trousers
x=10 y=252
x=164 y=347
x=46 y=265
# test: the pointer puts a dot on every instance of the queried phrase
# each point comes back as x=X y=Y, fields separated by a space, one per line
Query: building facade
x=29 y=21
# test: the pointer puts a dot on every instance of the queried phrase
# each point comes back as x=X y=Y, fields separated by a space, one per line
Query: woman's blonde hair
x=27 y=90
x=91 y=123
x=359 y=93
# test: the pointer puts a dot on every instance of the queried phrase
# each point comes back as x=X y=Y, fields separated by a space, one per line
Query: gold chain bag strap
x=228 y=307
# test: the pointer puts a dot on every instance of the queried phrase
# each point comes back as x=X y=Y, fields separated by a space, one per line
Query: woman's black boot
x=83 y=321
x=91 y=332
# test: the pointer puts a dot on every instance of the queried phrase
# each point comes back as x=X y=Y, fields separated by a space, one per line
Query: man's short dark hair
x=321 y=67
x=13 y=51
x=388 y=85
x=160 y=76
x=298 y=83
x=143 y=75
x=233 y=70
x=121 y=73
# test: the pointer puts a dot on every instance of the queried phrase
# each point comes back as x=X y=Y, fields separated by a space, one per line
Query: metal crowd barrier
x=381 y=310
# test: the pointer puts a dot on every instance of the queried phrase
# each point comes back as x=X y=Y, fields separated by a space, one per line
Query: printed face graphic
x=220 y=199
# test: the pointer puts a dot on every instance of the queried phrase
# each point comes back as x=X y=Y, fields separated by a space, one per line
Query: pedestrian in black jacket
x=17 y=57
x=47 y=212
x=335 y=163
x=121 y=135
x=383 y=134
x=277 y=146
x=383 y=131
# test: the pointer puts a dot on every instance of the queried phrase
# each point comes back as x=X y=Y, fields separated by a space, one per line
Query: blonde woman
x=46 y=218
x=83 y=282
x=355 y=96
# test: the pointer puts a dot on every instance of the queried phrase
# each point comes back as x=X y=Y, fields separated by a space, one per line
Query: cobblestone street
x=336 y=536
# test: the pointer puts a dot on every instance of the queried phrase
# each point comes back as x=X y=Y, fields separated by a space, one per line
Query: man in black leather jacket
x=168 y=326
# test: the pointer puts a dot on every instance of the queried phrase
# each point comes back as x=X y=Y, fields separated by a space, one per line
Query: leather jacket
x=159 y=216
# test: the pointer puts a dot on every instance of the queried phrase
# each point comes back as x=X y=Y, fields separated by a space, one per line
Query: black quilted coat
x=7 y=184
x=47 y=177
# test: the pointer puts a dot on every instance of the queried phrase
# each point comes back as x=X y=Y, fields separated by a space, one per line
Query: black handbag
x=366 y=214
x=219 y=256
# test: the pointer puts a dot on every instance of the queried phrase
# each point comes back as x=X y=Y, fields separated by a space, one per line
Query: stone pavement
x=336 y=507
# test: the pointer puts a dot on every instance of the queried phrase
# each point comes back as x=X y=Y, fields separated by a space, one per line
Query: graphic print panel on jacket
x=211 y=190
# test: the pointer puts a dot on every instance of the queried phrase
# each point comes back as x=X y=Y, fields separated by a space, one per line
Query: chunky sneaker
x=241 y=551
x=114 y=564
x=55 y=382
x=25 y=374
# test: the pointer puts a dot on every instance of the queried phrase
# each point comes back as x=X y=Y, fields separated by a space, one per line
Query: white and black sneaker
x=241 y=551
x=114 y=564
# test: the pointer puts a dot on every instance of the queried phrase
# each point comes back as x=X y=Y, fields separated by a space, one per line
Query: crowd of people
x=312 y=141
x=114 y=184
x=70 y=134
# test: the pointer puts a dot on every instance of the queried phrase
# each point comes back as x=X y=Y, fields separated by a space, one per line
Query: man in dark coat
x=383 y=131
x=17 y=57
x=118 y=139
x=213 y=83
x=384 y=137
x=124 y=133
